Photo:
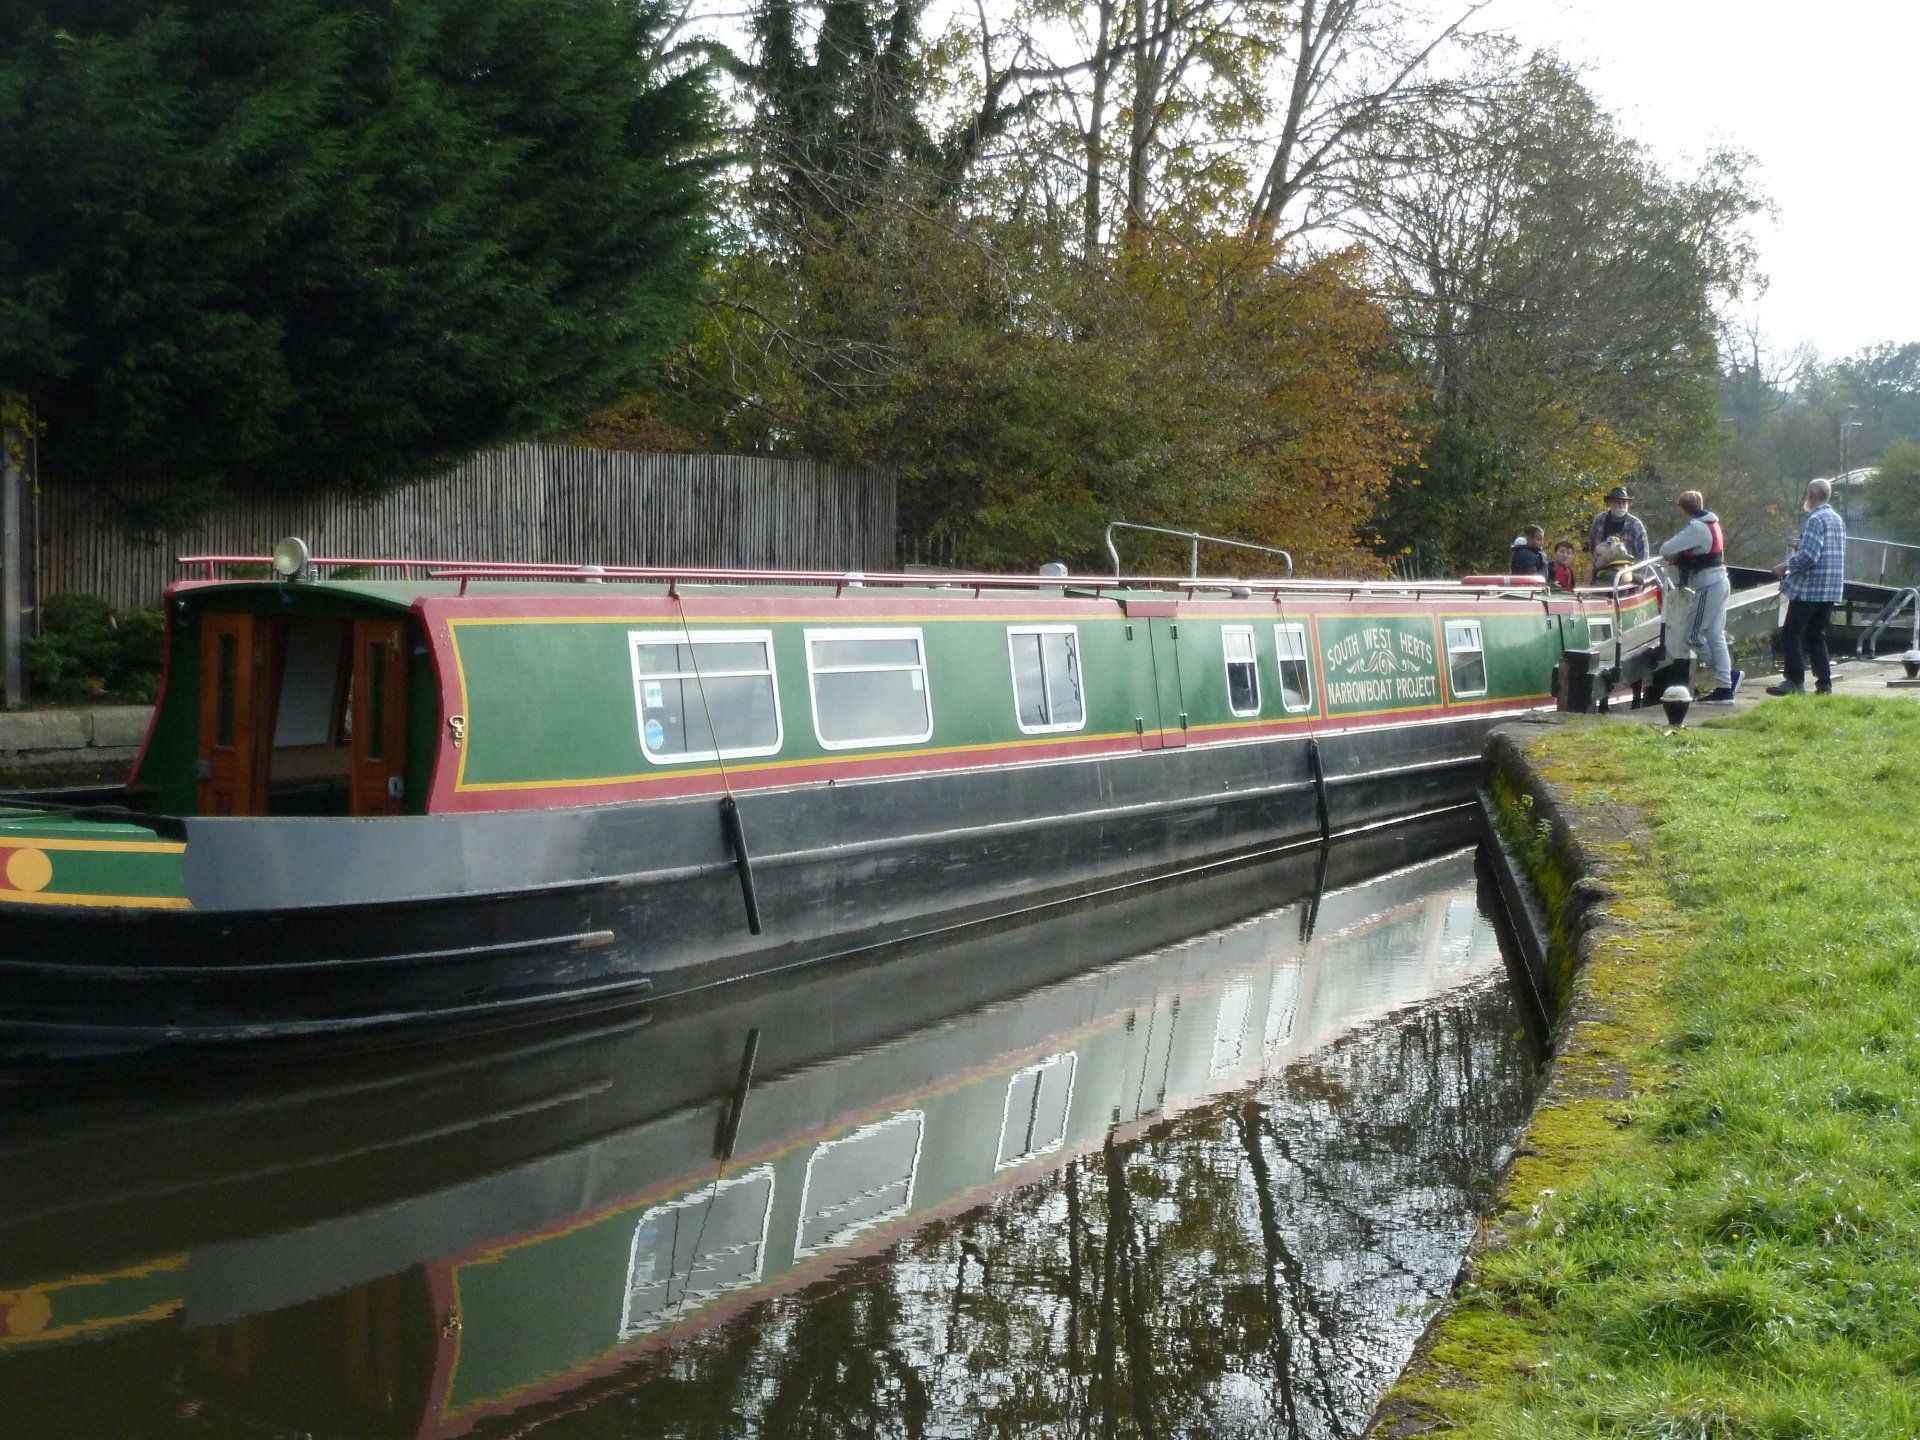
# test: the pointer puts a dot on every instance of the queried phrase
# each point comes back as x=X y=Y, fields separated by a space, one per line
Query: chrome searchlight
x=290 y=558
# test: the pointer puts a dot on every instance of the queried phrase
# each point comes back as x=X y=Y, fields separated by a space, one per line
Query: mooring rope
x=700 y=684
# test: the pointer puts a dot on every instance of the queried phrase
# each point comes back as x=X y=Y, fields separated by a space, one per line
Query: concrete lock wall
x=54 y=747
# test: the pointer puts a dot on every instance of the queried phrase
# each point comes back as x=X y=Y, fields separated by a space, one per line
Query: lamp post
x=1846 y=473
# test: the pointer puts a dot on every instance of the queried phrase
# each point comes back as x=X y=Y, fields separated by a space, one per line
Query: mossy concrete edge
x=1613 y=930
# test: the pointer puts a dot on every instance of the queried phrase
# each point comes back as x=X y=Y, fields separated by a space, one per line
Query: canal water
x=1198 y=1160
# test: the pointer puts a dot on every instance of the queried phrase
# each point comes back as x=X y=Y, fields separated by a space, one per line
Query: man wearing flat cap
x=1615 y=524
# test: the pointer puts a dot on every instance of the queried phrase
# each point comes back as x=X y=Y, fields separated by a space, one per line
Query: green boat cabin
x=383 y=697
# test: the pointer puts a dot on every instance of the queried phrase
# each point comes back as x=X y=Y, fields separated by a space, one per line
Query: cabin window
x=1296 y=676
x=1035 y=1118
x=1283 y=1006
x=705 y=694
x=1599 y=632
x=695 y=1250
x=313 y=710
x=1466 y=659
x=226 y=703
x=1046 y=678
x=1243 y=672
x=857 y=1182
x=1230 y=1028
x=377 y=699
x=869 y=687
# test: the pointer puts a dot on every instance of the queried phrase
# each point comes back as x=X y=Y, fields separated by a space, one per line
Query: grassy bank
x=1720 y=1233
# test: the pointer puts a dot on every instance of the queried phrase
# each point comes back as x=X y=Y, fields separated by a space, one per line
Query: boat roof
x=402 y=583
x=403 y=593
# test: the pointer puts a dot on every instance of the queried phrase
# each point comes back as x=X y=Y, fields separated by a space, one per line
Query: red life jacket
x=1691 y=564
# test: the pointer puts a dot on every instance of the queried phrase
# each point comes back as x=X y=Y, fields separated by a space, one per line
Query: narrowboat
x=412 y=794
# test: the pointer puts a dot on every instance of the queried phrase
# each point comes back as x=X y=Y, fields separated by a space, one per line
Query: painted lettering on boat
x=1379 y=662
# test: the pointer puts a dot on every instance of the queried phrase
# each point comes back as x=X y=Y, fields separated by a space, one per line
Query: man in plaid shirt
x=1813 y=578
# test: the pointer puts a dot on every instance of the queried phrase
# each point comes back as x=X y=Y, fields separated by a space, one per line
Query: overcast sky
x=1822 y=96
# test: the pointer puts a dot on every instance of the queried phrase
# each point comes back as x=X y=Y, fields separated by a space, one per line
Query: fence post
x=13 y=555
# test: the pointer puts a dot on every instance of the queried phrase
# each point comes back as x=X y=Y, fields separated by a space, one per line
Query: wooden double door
x=243 y=660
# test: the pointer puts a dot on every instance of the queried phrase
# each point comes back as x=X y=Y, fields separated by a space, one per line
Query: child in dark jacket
x=1527 y=557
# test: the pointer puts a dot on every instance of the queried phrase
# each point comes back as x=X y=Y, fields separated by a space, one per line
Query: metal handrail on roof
x=674 y=576
x=1196 y=538
x=209 y=563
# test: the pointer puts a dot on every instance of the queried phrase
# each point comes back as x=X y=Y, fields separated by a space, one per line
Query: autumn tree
x=1764 y=459
x=1883 y=382
x=302 y=244
x=1069 y=259
x=1355 y=75
x=1560 y=295
x=832 y=122
x=1891 y=504
x=1782 y=420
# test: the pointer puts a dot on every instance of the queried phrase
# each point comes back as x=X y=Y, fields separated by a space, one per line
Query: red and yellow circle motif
x=23 y=1313
x=25 y=869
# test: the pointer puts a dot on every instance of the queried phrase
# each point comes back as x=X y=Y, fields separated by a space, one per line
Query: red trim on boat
x=680 y=785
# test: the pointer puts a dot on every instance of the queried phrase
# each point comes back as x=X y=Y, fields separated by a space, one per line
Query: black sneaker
x=1722 y=696
x=1823 y=689
x=1786 y=687
x=1738 y=676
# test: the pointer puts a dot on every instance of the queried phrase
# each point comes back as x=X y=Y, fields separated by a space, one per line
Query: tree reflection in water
x=1260 y=1265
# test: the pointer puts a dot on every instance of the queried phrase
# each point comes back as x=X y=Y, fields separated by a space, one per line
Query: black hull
x=626 y=905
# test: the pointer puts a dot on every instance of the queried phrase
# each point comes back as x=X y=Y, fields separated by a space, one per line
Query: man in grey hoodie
x=1699 y=554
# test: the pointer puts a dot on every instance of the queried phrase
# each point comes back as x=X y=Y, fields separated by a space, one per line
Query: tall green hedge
x=335 y=243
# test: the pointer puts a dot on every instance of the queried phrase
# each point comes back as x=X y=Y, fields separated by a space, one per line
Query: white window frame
x=1594 y=622
x=1068 y=1058
x=1283 y=1006
x=1478 y=647
x=802 y=1250
x=691 y=1299
x=814 y=671
x=1305 y=658
x=1229 y=1050
x=1013 y=633
x=1227 y=663
x=690 y=638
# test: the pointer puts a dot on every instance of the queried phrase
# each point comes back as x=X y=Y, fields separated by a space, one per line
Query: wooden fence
x=536 y=503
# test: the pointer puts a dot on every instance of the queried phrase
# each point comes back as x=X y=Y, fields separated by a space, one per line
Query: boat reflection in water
x=1010 y=1185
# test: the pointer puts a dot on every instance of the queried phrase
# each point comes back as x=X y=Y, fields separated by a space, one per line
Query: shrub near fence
x=534 y=503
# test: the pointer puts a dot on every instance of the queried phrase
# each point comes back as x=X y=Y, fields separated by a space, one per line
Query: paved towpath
x=1850 y=677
